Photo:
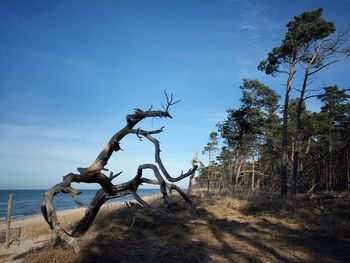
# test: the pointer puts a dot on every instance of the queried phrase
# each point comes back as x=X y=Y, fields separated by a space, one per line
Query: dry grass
x=226 y=229
x=4 y=256
x=49 y=254
x=68 y=220
x=42 y=228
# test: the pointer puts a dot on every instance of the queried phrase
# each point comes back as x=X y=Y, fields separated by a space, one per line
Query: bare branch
x=141 y=201
x=93 y=174
x=296 y=89
x=111 y=176
x=160 y=163
x=150 y=181
x=311 y=96
x=328 y=64
x=169 y=101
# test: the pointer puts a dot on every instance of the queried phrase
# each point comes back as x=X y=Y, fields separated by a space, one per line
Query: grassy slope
x=254 y=229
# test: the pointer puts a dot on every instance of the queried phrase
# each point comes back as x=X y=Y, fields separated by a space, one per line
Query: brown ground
x=254 y=229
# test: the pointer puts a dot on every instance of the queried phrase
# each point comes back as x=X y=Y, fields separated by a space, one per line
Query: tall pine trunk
x=284 y=146
x=297 y=135
x=208 y=185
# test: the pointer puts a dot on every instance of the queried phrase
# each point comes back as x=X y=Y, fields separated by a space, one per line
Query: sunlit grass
x=68 y=220
x=259 y=228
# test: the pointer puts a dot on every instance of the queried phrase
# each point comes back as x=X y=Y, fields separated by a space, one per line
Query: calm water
x=27 y=202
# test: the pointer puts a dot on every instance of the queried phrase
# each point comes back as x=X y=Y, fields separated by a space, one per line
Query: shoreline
x=35 y=210
x=21 y=221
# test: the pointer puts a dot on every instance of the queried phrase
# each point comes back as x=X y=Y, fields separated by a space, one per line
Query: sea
x=27 y=202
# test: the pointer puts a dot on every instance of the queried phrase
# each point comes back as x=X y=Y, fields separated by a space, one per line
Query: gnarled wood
x=93 y=174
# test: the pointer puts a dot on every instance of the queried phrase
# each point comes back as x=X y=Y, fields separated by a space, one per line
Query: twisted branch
x=93 y=174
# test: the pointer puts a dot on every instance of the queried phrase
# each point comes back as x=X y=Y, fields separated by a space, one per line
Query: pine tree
x=302 y=30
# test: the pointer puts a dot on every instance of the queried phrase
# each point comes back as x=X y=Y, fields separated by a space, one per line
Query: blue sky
x=71 y=70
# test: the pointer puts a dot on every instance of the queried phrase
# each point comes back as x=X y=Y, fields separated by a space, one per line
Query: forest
x=285 y=147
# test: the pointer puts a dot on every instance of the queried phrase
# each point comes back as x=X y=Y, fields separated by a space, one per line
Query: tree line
x=287 y=148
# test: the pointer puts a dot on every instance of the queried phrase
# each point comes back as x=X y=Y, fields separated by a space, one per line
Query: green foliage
x=225 y=156
x=302 y=31
x=305 y=28
x=335 y=116
x=245 y=127
x=315 y=145
x=334 y=103
x=212 y=145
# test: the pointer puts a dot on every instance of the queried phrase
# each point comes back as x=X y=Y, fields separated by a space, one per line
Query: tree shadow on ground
x=319 y=230
x=220 y=231
x=135 y=235
x=178 y=238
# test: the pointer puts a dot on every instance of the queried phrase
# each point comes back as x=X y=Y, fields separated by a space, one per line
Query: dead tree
x=94 y=174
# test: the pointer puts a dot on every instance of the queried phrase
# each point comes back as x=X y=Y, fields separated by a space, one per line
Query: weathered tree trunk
x=190 y=184
x=8 y=221
x=296 y=149
x=208 y=185
x=284 y=141
x=330 y=168
x=298 y=121
x=93 y=174
x=297 y=136
x=348 y=167
x=253 y=175
x=283 y=179
x=230 y=175
x=238 y=171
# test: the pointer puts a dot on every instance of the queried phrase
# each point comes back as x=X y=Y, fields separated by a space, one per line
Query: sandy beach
x=38 y=218
x=34 y=231
x=35 y=219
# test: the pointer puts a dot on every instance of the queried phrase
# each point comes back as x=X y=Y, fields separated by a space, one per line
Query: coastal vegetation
x=224 y=228
x=275 y=187
x=288 y=148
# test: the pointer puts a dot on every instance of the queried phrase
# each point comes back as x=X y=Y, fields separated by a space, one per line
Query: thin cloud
x=12 y=130
x=48 y=151
x=246 y=27
x=246 y=62
x=66 y=133
x=255 y=37
x=54 y=58
x=270 y=24
x=214 y=117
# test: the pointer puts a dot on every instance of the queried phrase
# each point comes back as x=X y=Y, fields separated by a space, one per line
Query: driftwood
x=8 y=221
x=94 y=174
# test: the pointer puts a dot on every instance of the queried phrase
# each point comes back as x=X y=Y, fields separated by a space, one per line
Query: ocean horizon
x=27 y=202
